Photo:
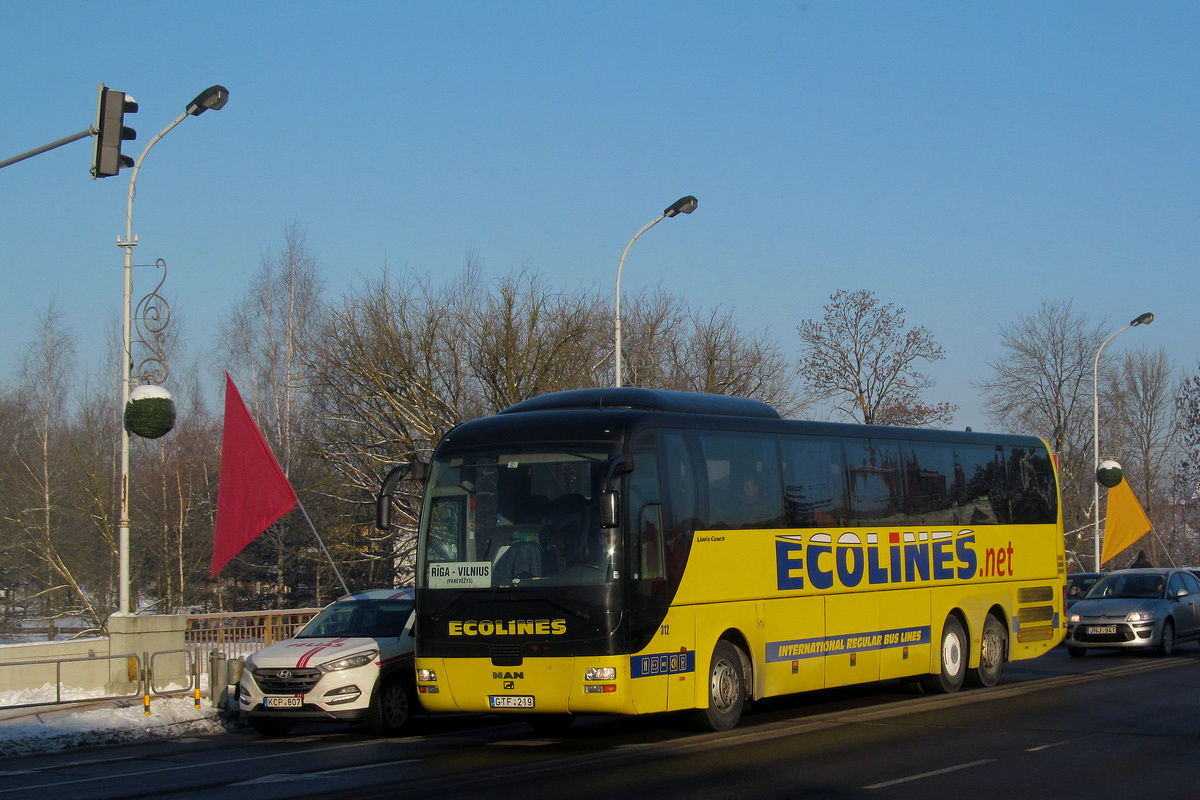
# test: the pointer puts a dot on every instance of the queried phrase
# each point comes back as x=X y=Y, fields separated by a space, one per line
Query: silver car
x=1136 y=608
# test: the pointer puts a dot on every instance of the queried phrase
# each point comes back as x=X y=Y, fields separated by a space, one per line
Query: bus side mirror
x=417 y=470
x=610 y=508
x=610 y=498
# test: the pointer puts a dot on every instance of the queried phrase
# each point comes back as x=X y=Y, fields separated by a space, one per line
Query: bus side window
x=650 y=541
x=646 y=527
x=981 y=489
x=873 y=478
x=814 y=488
x=683 y=513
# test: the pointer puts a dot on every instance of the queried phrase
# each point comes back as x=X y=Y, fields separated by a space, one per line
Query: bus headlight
x=600 y=674
x=427 y=675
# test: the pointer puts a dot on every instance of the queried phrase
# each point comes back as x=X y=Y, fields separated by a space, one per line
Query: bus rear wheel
x=993 y=650
x=953 y=652
x=727 y=673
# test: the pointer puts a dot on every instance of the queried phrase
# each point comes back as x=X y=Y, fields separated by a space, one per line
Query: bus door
x=853 y=631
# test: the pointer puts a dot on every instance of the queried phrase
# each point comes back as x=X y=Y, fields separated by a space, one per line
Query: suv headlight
x=350 y=662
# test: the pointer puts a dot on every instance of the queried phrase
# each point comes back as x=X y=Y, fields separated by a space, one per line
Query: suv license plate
x=511 y=700
x=283 y=702
x=1102 y=629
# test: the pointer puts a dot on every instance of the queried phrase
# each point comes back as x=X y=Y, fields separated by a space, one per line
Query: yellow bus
x=634 y=551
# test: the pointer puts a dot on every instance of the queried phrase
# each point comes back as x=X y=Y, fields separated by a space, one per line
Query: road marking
x=303 y=776
x=930 y=774
x=1047 y=746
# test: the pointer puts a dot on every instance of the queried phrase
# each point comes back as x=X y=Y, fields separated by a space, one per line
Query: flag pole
x=345 y=588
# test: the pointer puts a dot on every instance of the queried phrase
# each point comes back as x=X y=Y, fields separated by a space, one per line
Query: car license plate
x=283 y=702
x=1099 y=630
x=511 y=701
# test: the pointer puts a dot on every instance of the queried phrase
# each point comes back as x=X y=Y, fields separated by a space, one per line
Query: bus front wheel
x=953 y=660
x=727 y=673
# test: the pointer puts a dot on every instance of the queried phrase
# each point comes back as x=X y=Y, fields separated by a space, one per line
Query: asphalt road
x=1105 y=726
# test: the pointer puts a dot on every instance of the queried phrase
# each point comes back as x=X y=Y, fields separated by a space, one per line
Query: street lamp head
x=684 y=205
x=1143 y=319
x=214 y=97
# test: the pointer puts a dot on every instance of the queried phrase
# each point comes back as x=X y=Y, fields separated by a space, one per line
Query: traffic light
x=111 y=109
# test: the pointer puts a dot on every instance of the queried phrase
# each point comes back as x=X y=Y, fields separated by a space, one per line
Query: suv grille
x=286 y=680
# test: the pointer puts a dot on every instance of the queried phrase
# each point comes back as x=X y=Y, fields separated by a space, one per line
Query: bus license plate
x=283 y=702
x=511 y=701
x=1099 y=630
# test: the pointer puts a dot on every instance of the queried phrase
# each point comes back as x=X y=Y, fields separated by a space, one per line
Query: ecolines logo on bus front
x=508 y=627
x=906 y=557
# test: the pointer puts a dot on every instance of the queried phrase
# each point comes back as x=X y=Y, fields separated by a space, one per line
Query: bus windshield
x=516 y=518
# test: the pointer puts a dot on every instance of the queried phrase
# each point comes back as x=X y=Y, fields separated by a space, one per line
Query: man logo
x=510 y=684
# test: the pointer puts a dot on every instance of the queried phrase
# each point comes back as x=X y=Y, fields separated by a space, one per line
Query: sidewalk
x=96 y=722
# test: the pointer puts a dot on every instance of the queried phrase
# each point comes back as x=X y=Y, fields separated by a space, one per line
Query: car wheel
x=1076 y=652
x=268 y=728
x=953 y=660
x=390 y=708
x=993 y=652
x=1166 y=644
x=727 y=674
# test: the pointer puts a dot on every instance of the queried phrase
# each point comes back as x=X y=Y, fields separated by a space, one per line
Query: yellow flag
x=1126 y=522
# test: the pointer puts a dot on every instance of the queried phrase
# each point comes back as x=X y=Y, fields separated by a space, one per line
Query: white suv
x=351 y=662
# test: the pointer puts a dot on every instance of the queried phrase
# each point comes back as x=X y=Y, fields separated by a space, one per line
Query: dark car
x=1078 y=585
x=1149 y=609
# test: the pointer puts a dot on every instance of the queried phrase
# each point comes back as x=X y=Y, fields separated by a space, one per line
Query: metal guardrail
x=134 y=667
x=232 y=636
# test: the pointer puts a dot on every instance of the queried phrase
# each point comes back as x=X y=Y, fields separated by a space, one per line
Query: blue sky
x=964 y=161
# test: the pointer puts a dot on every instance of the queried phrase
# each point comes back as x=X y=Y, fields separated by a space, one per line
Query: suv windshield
x=377 y=619
x=516 y=518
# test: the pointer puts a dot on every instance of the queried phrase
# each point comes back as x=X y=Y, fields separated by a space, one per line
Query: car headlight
x=350 y=662
x=1140 y=616
x=1072 y=618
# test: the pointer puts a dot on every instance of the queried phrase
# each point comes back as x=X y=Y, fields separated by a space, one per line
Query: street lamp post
x=215 y=98
x=1143 y=319
x=684 y=205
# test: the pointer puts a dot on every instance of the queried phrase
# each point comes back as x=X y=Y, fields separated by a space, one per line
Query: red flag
x=252 y=491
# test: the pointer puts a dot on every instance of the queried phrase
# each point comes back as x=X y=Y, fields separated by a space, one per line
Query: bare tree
x=1042 y=385
x=262 y=343
x=1140 y=419
x=392 y=376
x=861 y=357
x=1185 y=521
x=653 y=342
x=529 y=340
x=44 y=526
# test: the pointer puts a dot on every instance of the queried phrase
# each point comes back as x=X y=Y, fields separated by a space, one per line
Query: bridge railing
x=238 y=634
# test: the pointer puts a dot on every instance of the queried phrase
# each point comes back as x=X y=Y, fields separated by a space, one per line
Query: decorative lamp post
x=1143 y=319
x=148 y=411
x=684 y=205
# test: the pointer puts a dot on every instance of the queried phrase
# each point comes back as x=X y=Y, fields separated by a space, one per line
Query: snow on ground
x=57 y=727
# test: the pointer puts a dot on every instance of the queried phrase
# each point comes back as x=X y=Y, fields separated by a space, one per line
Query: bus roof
x=609 y=415
x=647 y=400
